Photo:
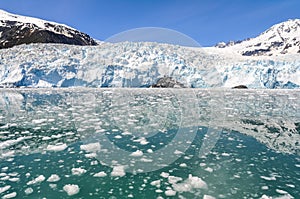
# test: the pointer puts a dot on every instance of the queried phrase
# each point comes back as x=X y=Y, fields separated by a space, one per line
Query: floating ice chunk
x=202 y=164
x=118 y=171
x=92 y=147
x=170 y=192
x=39 y=121
x=149 y=150
x=53 y=178
x=28 y=191
x=100 y=174
x=193 y=182
x=137 y=153
x=46 y=138
x=287 y=196
x=155 y=183
x=208 y=169
x=71 y=189
x=78 y=171
x=91 y=155
x=265 y=197
x=208 y=197
x=225 y=154
x=268 y=178
x=5 y=188
x=164 y=174
x=197 y=182
x=264 y=187
x=10 y=195
x=4 y=178
x=60 y=147
x=183 y=165
x=291 y=185
x=11 y=142
x=39 y=179
x=14 y=179
x=177 y=152
x=174 y=179
x=126 y=133
x=144 y=141
x=281 y=191
x=53 y=186
x=95 y=162
x=146 y=160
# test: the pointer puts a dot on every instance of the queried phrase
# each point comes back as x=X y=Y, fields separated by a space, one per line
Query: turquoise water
x=150 y=143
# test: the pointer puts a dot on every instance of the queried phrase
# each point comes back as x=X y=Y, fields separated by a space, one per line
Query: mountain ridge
x=17 y=29
x=281 y=38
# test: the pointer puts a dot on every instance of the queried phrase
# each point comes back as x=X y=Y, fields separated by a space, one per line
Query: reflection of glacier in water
x=159 y=142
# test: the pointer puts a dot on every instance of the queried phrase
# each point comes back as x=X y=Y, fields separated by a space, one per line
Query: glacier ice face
x=141 y=65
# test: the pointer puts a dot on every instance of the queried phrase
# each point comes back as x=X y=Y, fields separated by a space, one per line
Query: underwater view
x=149 y=143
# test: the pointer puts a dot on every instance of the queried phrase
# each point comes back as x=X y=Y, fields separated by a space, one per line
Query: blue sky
x=206 y=21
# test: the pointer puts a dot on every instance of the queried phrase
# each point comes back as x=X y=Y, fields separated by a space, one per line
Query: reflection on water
x=118 y=143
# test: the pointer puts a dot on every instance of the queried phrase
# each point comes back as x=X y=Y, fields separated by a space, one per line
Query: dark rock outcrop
x=240 y=87
x=167 y=82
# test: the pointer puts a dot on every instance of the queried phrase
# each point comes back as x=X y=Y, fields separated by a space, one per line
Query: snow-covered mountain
x=282 y=38
x=16 y=30
x=142 y=64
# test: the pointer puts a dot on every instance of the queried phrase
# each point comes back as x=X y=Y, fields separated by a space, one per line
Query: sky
x=206 y=21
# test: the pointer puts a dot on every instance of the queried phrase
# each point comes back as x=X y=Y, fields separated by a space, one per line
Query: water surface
x=151 y=143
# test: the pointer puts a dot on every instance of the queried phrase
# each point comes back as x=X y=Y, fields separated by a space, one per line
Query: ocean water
x=149 y=143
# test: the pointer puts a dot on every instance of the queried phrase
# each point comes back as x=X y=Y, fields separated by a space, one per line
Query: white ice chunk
x=155 y=183
x=91 y=147
x=268 y=178
x=137 y=153
x=100 y=174
x=208 y=197
x=10 y=195
x=170 y=192
x=193 y=182
x=5 y=188
x=39 y=179
x=174 y=179
x=28 y=191
x=60 y=147
x=71 y=189
x=53 y=178
x=118 y=171
x=78 y=171
x=164 y=174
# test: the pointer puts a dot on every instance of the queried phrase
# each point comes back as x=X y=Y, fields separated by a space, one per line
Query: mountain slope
x=16 y=30
x=282 y=38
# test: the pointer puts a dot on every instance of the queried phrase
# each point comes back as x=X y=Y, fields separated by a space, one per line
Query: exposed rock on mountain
x=16 y=30
x=282 y=38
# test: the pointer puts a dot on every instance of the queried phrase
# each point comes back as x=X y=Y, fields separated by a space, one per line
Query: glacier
x=141 y=64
